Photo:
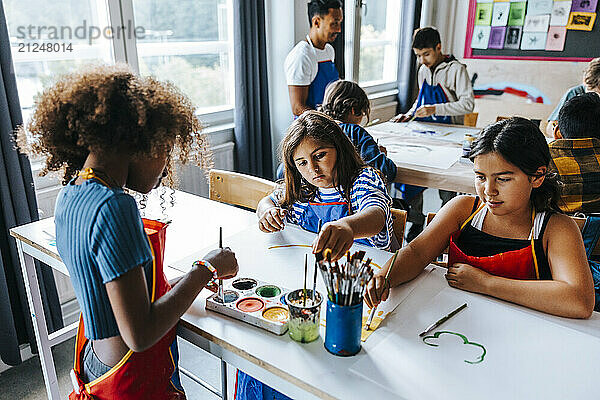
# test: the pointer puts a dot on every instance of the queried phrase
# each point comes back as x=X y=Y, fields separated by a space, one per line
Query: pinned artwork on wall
x=497 y=34
x=516 y=16
x=556 y=38
x=581 y=21
x=536 y=23
x=584 y=6
x=513 y=37
x=560 y=13
x=500 y=14
x=539 y=7
x=533 y=41
x=483 y=14
x=481 y=37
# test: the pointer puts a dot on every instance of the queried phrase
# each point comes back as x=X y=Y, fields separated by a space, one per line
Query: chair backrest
x=238 y=189
x=471 y=119
x=578 y=220
x=399 y=224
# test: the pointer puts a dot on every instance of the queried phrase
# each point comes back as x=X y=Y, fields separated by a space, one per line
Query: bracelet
x=208 y=266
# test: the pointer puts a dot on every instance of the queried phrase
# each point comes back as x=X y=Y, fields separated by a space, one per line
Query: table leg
x=38 y=318
x=223 y=380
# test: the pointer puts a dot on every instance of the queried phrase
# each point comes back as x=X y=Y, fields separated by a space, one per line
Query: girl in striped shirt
x=325 y=179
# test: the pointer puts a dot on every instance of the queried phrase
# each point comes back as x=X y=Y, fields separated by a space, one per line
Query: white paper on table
x=426 y=155
x=526 y=356
x=444 y=133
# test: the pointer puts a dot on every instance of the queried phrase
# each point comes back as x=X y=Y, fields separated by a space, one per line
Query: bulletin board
x=533 y=30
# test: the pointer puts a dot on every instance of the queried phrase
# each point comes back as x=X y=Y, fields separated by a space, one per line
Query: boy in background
x=445 y=96
x=576 y=153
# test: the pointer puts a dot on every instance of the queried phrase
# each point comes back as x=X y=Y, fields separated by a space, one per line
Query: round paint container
x=268 y=291
x=343 y=329
x=304 y=319
x=276 y=314
x=228 y=295
x=244 y=283
x=250 y=304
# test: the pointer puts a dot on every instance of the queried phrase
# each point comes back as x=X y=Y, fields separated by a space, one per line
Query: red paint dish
x=250 y=304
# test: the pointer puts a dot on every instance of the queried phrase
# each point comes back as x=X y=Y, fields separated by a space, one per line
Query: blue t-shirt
x=99 y=236
x=369 y=150
x=368 y=190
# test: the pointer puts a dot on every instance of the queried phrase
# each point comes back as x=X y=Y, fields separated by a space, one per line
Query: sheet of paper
x=500 y=14
x=445 y=133
x=584 y=5
x=497 y=34
x=533 y=41
x=483 y=14
x=539 y=7
x=426 y=155
x=513 y=37
x=528 y=356
x=536 y=23
x=556 y=38
x=481 y=36
x=581 y=21
x=516 y=16
x=560 y=13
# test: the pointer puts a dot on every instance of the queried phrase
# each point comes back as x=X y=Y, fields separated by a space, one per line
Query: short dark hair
x=321 y=8
x=579 y=117
x=426 y=38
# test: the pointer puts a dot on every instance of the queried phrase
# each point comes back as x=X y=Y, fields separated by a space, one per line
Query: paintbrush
x=305 y=273
x=387 y=275
x=316 y=266
x=221 y=291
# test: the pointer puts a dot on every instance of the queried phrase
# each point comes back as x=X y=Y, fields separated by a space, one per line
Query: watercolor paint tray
x=255 y=302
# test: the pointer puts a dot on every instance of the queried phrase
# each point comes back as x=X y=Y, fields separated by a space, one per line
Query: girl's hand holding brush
x=337 y=236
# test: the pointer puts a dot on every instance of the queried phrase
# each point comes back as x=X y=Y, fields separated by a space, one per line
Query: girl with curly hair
x=511 y=241
x=347 y=103
x=109 y=129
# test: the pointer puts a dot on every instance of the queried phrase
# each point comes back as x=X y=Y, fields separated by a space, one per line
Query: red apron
x=151 y=374
x=514 y=264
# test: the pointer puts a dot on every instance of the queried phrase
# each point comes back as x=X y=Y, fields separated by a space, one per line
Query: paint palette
x=253 y=301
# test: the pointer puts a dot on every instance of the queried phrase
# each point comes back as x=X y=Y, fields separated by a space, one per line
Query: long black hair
x=520 y=142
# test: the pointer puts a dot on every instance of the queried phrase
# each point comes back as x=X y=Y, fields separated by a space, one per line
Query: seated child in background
x=591 y=83
x=326 y=180
x=348 y=104
x=108 y=129
x=509 y=242
x=576 y=154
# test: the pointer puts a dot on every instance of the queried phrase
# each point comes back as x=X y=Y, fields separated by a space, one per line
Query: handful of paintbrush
x=345 y=281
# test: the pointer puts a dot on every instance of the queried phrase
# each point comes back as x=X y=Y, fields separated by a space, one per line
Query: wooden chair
x=471 y=119
x=238 y=189
x=399 y=224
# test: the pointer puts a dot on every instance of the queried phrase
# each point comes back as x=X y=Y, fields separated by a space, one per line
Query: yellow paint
x=276 y=314
x=364 y=335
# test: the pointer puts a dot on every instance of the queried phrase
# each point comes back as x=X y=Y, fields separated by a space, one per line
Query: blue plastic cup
x=343 y=328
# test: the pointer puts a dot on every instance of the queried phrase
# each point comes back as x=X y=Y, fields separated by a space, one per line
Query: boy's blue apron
x=591 y=235
x=326 y=73
x=427 y=95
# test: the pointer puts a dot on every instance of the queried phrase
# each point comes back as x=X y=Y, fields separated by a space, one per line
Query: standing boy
x=445 y=96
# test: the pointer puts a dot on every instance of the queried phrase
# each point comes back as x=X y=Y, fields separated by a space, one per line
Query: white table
x=307 y=370
x=459 y=177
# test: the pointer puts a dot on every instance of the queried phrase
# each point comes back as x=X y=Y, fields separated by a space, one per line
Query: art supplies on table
x=386 y=283
x=253 y=301
x=346 y=283
x=305 y=312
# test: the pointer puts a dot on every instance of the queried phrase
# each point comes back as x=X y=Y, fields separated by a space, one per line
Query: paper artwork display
x=556 y=38
x=560 y=13
x=497 y=34
x=500 y=14
x=516 y=15
x=539 y=7
x=483 y=14
x=584 y=5
x=481 y=36
x=581 y=21
x=533 y=41
x=536 y=23
x=513 y=37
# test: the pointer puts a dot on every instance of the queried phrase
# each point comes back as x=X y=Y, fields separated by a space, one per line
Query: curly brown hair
x=108 y=108
x=344 y=97
x=591 y=76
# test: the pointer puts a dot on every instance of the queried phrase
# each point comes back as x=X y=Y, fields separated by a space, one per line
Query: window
x=372 y=42
x=190 y=43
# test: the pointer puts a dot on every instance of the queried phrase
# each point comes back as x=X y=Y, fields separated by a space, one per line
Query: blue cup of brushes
x=343 y=328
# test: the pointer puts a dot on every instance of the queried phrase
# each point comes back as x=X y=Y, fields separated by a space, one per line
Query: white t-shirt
x=302 y=63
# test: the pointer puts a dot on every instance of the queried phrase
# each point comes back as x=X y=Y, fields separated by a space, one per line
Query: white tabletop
x=458 y=177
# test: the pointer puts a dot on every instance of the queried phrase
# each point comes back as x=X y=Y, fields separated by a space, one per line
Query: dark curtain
x=338 y=46
x=407 y=69
x=17 y=206
x=252 y=121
